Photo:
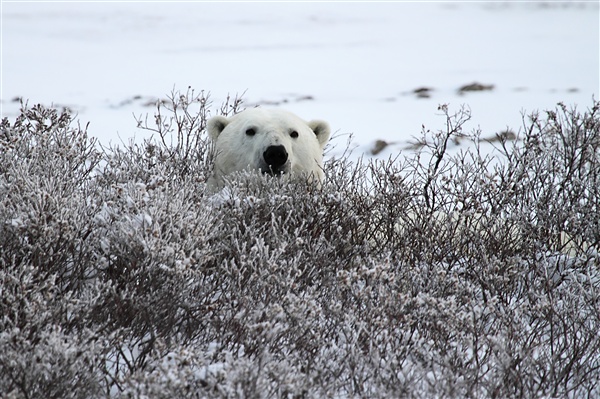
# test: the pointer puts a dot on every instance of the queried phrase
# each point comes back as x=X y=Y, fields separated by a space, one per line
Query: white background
x=359 y=62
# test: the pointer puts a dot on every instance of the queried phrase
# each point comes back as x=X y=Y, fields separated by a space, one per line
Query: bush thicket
x=435 y=274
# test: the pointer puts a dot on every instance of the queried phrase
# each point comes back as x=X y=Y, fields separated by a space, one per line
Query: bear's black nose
x=275 y=156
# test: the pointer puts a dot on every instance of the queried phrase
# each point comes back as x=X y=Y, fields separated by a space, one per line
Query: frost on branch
x=435 y=274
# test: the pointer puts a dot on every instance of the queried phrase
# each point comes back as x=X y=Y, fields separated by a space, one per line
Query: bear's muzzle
x=275 y=157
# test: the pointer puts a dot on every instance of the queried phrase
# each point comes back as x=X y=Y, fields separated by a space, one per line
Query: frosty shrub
x=434 y=274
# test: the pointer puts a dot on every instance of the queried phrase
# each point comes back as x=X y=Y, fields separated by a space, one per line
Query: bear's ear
x=322 y=131
x=216 y=125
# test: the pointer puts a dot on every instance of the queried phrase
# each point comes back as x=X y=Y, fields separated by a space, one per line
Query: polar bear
x=273 y=141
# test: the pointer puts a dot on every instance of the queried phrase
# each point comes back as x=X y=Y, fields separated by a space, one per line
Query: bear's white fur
x=272 y=141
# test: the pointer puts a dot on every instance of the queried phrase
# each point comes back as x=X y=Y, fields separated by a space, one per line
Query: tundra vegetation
x=435 y=274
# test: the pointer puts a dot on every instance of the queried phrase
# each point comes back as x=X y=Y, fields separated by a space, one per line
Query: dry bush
x=473 y=274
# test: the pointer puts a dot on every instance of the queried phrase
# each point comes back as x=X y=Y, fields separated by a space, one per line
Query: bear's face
x=274 y=141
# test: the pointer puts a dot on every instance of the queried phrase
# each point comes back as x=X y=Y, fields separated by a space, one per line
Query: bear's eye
x=250 y=131
x=294 y=134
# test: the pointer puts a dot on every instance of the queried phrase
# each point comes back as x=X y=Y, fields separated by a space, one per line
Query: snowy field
x=120 y=276
x=355 y=65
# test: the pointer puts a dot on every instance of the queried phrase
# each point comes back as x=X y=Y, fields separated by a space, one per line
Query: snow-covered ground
x=353 y=64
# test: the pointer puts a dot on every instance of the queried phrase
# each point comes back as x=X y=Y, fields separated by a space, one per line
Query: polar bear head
x=273 y=141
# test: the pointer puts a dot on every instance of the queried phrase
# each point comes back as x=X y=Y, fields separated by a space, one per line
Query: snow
x=353 y=64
